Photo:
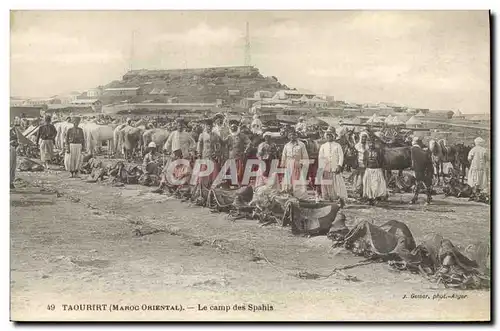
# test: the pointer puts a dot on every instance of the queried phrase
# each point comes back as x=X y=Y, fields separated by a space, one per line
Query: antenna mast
x=248 y=59
x=132 y=45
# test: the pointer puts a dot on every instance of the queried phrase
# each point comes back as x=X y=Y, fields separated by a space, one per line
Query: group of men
x=45 y=141
x=287 y=174
x=212 y=144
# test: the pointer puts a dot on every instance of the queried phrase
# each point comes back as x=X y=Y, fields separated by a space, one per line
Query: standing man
x=293 y=152
x=238 y=144
x=374 y=185
x=421 y=161
x=331 y=159
x=47 y=134
x=361 y=147
x=266 y=151
x=13 y=156
x=149 y=165
x=75 y=144
x=180 y=140
x=210 y=148
x=218 y=126
x=301 y=127
x=256 y=126
x=478 y=176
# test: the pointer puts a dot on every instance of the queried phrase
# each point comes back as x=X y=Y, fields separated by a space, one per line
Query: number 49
x=51 y=307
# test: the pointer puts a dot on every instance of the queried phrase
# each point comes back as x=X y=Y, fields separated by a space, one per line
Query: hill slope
x=197 y=85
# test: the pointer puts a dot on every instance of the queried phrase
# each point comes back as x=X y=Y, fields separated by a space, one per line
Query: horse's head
x=434 y=147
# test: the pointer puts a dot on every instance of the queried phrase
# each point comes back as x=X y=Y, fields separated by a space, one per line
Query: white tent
x=396 y=120
x=388 y=119
x=371 y=119
x=375 y=119
x=413 y=121
x=419 y=114
x=355 y=120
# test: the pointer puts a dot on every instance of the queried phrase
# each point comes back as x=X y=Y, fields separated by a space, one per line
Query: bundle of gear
x=435 y=258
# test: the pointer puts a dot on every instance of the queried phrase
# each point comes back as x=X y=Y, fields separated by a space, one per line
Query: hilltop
x=200 y=85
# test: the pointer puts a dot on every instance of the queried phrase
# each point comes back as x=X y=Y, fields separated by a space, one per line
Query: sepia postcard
x=250 y=166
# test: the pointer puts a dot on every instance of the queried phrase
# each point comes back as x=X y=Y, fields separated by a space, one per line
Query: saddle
x=387 y=240
x=26 y=164
x=309 y=218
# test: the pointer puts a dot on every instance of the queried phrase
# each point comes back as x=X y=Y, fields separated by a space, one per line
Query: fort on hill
x=199 y=85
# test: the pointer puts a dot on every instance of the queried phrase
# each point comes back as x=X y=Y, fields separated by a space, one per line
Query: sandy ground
x=81 y=246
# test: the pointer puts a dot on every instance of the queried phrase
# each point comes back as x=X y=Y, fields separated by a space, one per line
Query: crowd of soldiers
x=220 y=141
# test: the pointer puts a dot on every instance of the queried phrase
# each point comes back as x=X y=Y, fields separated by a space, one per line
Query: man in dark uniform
x=13 y=156
x=422 y=166
x=46 y=140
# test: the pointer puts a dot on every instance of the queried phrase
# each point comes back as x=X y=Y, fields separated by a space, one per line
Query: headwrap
x=301 y=118
x=330 y=133
x=266 y=134
x=152 y=145
x=415 y=140
x=363 y=134
x=478 y=141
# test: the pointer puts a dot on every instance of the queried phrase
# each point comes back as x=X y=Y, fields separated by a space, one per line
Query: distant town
x=240 y=90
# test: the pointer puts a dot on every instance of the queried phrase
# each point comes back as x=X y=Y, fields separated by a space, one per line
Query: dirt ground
x=96 y=244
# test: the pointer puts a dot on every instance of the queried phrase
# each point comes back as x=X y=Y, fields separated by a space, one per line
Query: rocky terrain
x=204 y=85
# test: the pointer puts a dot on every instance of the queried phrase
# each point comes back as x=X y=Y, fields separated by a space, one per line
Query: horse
x=396 y=154
x=462 y=159
x=441 y=153
x=347 y=142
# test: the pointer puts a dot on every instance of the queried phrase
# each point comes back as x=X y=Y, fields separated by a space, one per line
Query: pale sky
x=437 y=60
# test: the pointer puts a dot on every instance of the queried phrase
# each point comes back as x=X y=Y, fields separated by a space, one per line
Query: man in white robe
x=180 y=140
x=331 y=159
x=478 y=176
x=301 y=127
x=293 y=152
x=361 y=147
x=256 y=126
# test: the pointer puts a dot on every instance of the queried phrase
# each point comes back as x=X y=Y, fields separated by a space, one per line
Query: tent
x=371 y=119
x=419 y=114
x=315 y=121
x=21 y=138
x=375 y=119
x=355 y=120
x=331 y=121
x=413 y=121
x=396 y=120
x=388 y=119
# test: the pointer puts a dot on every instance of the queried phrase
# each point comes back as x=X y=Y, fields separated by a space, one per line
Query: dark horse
x=396 y=154
x=462 y=159
x=347 y=142
x=442 y=154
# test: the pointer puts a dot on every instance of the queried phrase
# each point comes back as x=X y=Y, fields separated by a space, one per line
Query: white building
x=94 y=93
